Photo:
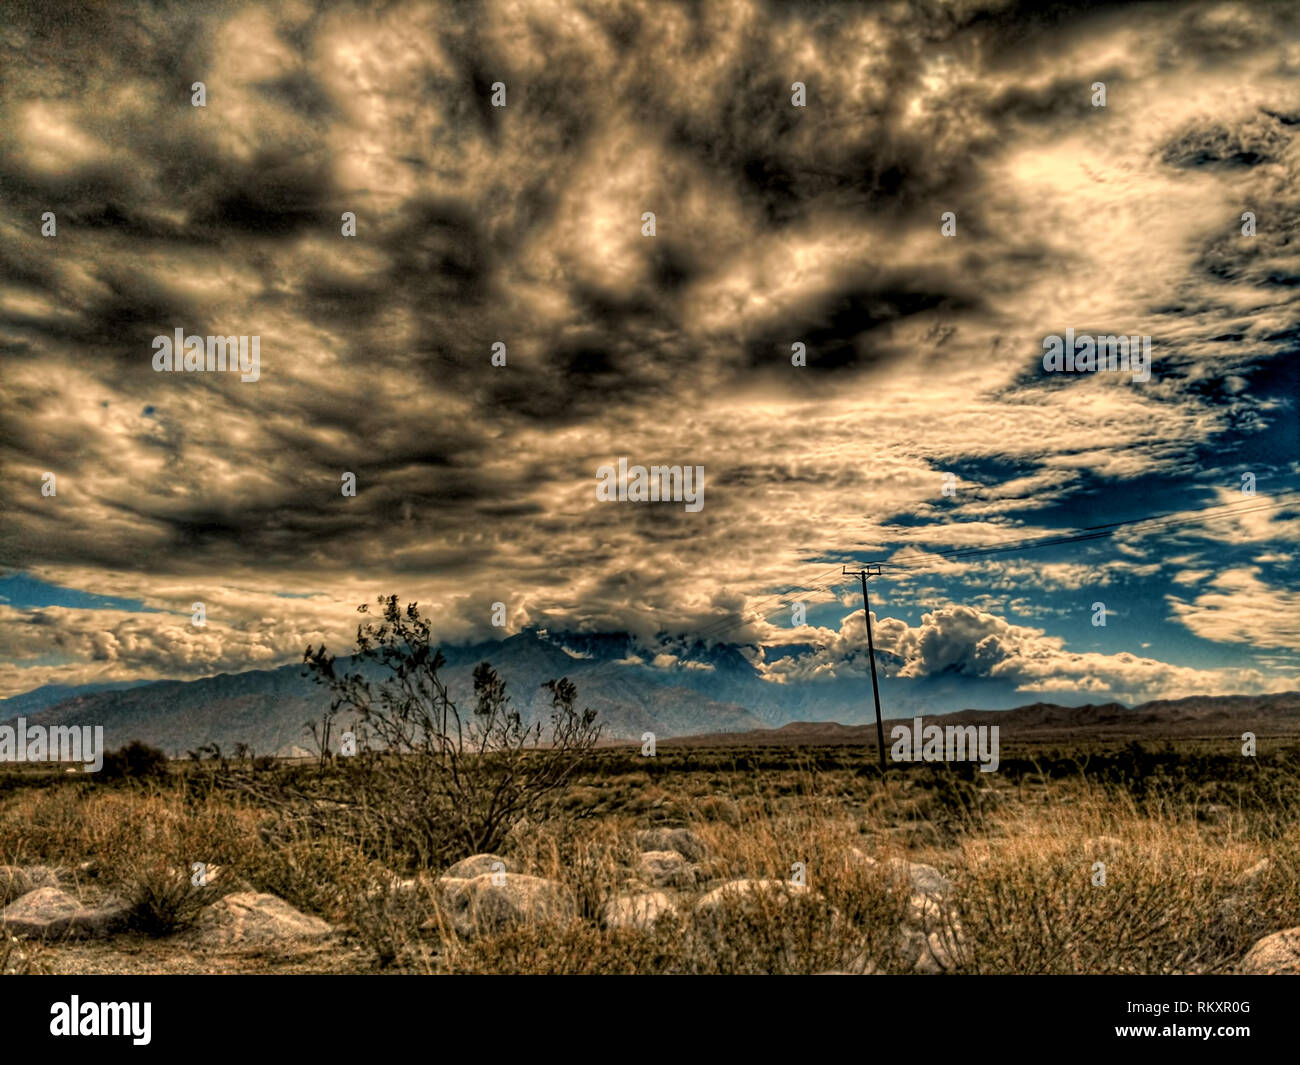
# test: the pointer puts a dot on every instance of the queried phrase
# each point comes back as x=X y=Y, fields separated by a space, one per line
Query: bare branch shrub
x=427 y=781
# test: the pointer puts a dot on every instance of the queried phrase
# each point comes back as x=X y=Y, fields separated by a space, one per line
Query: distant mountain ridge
x=1276 y=714
x=707 y=691
x=268 y=709
x=47 y=695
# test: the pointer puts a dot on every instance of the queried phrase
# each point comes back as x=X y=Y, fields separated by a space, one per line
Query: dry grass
x=21 y=958
x=1021 y=855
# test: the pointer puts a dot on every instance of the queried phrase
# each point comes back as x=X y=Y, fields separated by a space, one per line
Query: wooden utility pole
x=863 y=574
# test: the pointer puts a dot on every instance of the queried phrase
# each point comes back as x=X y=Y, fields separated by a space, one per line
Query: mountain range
x=1276 y=714
x=704 y=691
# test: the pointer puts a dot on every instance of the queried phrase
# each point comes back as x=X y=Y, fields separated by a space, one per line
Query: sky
x=923 y=421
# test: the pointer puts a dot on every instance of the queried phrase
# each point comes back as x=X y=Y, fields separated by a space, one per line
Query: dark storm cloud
x=1249 y=144
x=522 y=225
x=848 y=329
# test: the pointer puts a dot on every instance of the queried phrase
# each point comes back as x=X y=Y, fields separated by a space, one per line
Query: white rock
x=477 y=865
x=253 y=918
x=924 y=879
x=682 y=840
x=49 y=911
x=665 y=869
x=742 y=890
x=925 y=910
x=636 y=911
x=1275 y=955
x=481 y=907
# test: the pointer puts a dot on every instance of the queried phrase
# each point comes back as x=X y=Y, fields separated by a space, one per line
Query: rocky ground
x=59 y=921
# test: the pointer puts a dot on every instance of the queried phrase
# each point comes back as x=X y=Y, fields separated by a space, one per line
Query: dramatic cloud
x=966 y=642
x=774 y=225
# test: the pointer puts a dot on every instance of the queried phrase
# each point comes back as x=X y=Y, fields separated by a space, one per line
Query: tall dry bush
x=428 y=782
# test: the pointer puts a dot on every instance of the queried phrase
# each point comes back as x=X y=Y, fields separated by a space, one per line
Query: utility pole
x=863 y=574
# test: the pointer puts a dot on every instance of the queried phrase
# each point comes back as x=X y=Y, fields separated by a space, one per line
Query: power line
x=1094 y=532
x=1102 y=531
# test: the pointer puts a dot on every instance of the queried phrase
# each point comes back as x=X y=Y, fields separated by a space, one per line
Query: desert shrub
x=147 y=846
x=161 y=898
x=136 y=761
x=429 y=783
